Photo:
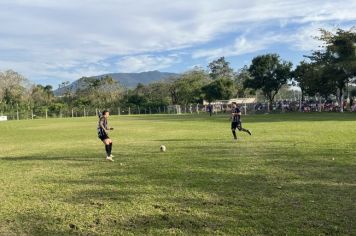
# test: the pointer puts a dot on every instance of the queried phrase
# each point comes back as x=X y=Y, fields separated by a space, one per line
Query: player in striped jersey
x=236 y=120
x=103 y=131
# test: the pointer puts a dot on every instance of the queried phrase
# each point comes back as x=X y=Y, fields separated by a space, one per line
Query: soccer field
x=296 y=175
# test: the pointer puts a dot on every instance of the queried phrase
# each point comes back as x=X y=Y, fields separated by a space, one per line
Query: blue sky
x=54 y=41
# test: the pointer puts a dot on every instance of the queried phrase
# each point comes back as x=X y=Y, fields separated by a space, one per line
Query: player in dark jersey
x=103 y=131
x=236 y=120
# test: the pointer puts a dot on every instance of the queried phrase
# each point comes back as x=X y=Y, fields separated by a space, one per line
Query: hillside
x=129 y=80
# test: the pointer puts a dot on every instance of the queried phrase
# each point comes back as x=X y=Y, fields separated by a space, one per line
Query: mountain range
x=128 y=80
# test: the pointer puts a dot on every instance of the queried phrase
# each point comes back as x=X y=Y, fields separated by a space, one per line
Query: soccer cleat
x=248 y=132
x=112 y=156
x=109 y=158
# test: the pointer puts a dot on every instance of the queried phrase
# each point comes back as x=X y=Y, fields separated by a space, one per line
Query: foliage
x=241 y=76
x=187 y=88
x=220 y=68
x=42 y=95
x=102 y=92
x=219 y=89
x=268 y=73
x=314 y=80
x=13 y=88
x=337 y=58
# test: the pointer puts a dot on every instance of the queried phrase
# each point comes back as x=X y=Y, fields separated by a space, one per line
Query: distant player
x=236 y=120
x=103 y=131
x=210 y=109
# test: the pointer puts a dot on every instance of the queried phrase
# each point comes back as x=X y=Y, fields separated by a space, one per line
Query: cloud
x=146 y=63
x=302 y=39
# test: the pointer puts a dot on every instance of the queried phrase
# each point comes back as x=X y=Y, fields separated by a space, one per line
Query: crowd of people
x=309 y=106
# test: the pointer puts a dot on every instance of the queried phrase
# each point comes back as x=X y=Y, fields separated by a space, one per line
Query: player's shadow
x=50 y=158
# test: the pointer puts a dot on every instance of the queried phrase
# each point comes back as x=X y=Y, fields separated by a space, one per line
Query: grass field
x=296 y=175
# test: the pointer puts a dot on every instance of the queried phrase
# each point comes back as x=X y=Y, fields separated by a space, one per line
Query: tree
x=337 y=58
x=173 y=90
x=153 y=95
x=158 y=94
x=13 y=88
x=220 y=68
x=300 y=75
x=242 y=75
x=219 y=89
x=98 y=92
x=187 y=88
x=313 y=80
x=67 y=91
x=42 y=97
x=269 y=74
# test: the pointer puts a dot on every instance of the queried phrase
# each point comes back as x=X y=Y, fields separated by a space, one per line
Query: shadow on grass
x=203 y=200
x=278 y=196
x=32 y=223
x=51 y=157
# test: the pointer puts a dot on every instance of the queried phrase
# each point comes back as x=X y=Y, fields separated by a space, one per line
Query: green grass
x=296 y=175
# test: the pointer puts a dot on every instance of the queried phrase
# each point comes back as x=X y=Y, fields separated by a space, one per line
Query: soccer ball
x=162 y=148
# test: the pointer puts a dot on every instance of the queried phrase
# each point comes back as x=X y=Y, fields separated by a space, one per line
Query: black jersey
x=235 y=117
x=102 y=126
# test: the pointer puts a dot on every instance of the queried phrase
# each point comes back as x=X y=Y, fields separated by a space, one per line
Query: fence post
x=129 y=110
x=72 y=113
x=32 y=114
x=118 y=111
x=197 y=109
x=84 y=111
x=159 y=110
x=138 y=108
x=245 y=109
x=300 y=105
x=17 y=111
x=46 y=114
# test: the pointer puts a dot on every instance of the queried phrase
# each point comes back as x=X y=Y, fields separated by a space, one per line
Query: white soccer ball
x=162 y=148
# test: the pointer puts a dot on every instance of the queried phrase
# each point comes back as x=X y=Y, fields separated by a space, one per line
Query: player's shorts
x=236 y=125
x=103 y=137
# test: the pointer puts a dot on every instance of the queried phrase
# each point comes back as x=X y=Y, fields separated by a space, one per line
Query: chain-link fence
x=246 y=109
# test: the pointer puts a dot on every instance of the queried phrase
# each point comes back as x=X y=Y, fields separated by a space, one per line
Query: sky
x=50 y=42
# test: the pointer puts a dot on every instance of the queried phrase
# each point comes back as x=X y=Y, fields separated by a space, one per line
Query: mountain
x=128 y=80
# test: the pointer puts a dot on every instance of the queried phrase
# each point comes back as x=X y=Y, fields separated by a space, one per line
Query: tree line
x=326 y=72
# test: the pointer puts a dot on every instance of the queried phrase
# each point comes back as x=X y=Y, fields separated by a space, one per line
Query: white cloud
x=242 y=45
x=302 y=39
x=146 y=63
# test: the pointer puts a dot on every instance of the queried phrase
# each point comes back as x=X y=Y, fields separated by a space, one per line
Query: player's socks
x=107 y=149
x=234 y=133
x=110 y=148
x=246 y=130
